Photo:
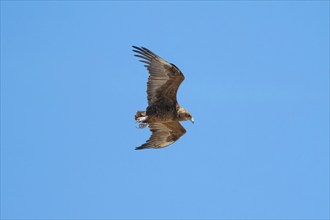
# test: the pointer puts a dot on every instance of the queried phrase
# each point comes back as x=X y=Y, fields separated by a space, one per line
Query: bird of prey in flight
x=163 y=114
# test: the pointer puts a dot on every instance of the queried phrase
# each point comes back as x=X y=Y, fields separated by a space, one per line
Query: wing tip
x=142 y=50
x=140 y=148
x=136 y=48
x=145 y=146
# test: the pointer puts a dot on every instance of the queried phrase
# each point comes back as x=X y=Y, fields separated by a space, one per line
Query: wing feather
x=163 y=134
x=164 y=79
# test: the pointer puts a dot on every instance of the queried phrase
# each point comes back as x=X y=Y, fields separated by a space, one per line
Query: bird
x=163 y=113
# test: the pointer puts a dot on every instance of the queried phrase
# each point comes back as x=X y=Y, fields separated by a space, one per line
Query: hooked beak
x=192 y=120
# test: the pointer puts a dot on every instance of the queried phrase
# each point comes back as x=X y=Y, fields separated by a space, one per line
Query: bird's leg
x=142 y=121
x=142 y=125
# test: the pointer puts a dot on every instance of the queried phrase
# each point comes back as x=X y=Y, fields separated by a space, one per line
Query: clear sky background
x=257 y=75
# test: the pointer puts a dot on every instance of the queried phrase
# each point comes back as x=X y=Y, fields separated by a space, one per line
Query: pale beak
x=192 y=120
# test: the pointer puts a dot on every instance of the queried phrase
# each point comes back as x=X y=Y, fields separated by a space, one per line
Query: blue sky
x=257 y=83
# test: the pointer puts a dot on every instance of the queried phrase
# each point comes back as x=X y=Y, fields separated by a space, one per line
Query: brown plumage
x=163 y=112
x=163 y=134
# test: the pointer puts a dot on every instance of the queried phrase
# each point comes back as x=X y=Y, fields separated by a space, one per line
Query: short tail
x=139 y=114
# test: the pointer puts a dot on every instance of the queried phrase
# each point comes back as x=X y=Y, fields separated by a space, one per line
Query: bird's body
x=163 y=112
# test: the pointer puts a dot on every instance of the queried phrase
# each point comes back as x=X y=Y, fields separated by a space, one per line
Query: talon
x=142 y=125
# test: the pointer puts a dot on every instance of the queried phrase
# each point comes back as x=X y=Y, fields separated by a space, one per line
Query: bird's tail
x=139 y=114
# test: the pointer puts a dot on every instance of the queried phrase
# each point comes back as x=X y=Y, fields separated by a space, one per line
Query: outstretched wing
x=163 y=134
x=164 y=80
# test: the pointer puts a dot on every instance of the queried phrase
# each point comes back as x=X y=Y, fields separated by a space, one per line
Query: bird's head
x=184 y=115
